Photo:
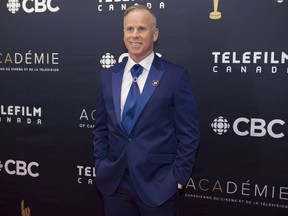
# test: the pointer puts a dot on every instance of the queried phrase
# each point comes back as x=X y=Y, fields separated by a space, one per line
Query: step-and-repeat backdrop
x=51 y=53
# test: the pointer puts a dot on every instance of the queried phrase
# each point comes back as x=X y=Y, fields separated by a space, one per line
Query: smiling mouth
x=135 y=44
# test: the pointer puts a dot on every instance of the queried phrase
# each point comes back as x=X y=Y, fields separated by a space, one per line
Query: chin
x=135 y=53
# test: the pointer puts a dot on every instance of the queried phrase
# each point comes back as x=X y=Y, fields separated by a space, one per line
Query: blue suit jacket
x=160 y=150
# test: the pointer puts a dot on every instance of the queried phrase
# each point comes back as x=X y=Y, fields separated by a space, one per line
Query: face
x=139 y=34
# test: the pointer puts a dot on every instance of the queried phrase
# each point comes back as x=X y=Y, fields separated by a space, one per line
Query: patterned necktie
x=132 y=99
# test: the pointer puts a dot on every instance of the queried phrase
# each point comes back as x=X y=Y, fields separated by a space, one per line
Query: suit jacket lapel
x=117 y=76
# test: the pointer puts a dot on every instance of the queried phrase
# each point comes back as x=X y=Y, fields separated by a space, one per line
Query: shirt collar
x=145 y=63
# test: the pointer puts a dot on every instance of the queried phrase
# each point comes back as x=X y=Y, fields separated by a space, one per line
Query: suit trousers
x=125 y=202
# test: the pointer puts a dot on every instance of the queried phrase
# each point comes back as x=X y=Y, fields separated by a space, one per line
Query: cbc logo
x=20 y=168
x=254 y=127
x=32 y=6
x=108 y=60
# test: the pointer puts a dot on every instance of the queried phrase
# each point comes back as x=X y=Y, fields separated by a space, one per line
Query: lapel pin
x=155 y=83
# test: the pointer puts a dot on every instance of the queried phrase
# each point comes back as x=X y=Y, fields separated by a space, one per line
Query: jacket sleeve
x=186 y=129
x=100 y=131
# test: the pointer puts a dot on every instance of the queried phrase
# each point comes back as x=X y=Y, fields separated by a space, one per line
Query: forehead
x=138 y=17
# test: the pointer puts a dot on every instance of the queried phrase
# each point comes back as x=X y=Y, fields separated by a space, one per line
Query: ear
x=155 y=34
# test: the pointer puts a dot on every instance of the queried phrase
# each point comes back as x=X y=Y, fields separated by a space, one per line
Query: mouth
x=135 y=44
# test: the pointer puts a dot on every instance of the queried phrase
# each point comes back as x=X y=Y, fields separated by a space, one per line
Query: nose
x=135 y=33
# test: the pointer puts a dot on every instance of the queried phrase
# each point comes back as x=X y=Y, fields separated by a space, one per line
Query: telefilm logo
x=20 y=168
x=87 y=118
x=32 y=6
x=20 y=115
x=86 y=174
x=29 y=62
x=250 y=62
x=122 y=5
x=254 y=127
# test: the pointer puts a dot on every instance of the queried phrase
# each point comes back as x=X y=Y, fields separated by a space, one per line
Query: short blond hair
x=143 y=8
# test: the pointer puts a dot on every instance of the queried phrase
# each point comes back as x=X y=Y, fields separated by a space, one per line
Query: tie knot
x=136 y=70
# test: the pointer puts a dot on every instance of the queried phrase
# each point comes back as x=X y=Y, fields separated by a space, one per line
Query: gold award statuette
x=25 y=211
x=215 y=14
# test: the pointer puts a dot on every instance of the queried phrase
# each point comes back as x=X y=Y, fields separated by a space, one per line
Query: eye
x=129 y=29
x=141 y=29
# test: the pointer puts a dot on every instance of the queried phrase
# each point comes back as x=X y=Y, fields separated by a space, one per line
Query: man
x=144 y=148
